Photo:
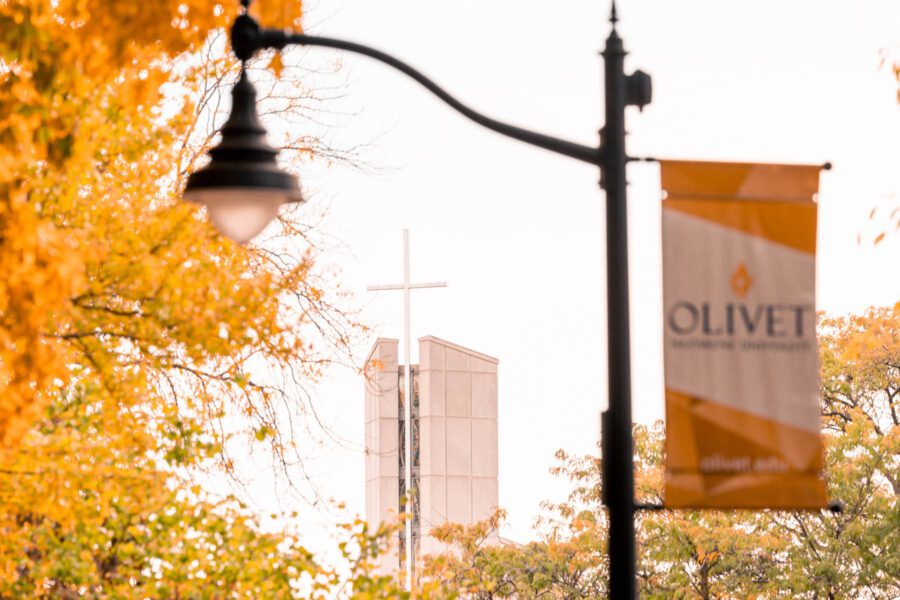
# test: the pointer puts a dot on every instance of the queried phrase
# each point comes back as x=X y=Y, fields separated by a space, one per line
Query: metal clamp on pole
x=605 y=479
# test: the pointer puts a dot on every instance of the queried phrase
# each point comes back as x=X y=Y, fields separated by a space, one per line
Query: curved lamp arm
x=247 y=38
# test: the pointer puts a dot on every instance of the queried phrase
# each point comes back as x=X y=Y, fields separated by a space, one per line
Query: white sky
x=518 y=232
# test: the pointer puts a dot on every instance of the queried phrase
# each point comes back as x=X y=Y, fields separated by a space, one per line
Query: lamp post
x=243 y=188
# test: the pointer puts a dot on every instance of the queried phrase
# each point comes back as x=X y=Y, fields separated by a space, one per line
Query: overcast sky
x=518 y=232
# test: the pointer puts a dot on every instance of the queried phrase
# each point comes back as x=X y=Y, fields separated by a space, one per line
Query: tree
x=854 y=553
x=97 y=257
x=89 y=509
x=727 y=554
x=129 y=328
x=696 y=554
x=106 y=275
x=478 y=568
x=104 y=523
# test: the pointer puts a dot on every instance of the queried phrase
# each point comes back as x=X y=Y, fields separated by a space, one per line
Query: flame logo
x=741 y=281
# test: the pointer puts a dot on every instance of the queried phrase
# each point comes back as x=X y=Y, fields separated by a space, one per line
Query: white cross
x=406 y=286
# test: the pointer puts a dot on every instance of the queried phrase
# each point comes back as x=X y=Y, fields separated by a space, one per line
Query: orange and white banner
x=742 y=387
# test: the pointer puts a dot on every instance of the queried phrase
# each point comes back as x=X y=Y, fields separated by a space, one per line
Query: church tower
x=454 y=440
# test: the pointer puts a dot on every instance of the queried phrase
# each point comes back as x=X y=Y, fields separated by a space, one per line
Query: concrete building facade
x=454 y=439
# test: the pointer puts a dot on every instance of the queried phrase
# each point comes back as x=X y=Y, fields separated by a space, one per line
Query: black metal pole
x=617 y=466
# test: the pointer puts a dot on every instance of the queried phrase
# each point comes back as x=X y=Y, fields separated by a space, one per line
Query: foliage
x=855 y=553
x=106 y=278
x=70 y=80
x=483 y=569
x=86 y=513
x=129 y=328
x=96 y=256
x=728 y=554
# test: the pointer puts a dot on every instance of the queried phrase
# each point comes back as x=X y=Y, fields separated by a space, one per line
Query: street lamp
x=243 y=188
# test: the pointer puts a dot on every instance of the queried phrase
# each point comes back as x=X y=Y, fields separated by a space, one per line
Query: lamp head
x=242 y=187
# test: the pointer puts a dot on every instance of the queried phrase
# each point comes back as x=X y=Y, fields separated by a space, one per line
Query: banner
x=741 y=368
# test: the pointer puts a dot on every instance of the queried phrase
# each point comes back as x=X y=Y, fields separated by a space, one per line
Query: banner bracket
x=834 y=507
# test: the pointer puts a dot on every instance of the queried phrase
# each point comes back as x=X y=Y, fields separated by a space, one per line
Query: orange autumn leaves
x=85 y=154
x=37 y=272
x=129 y=329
